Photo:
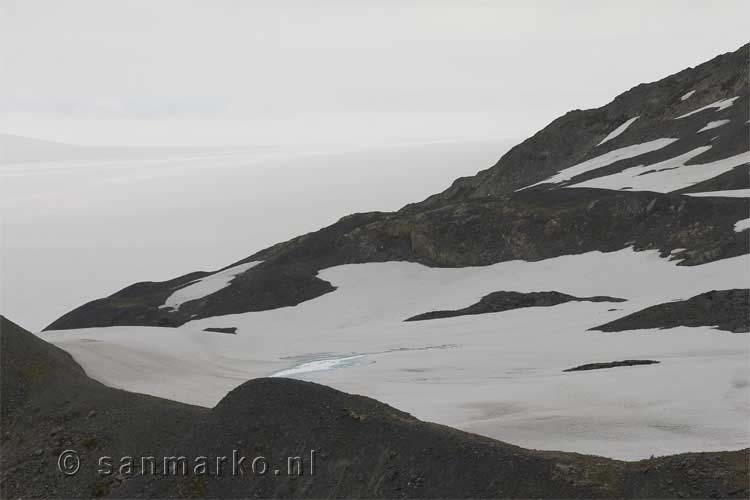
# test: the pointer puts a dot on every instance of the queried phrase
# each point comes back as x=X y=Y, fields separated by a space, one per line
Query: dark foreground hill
x=344 y=446
x=50 y=405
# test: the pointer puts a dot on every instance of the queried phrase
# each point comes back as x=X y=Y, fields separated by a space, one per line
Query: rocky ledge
x=725 y=309
x=505 y=301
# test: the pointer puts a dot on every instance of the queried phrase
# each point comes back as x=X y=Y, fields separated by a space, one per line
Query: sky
x=230 y=72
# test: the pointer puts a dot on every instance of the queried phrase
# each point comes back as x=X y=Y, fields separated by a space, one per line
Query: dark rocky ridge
x=611 y=364
x=505 y=301
x=725 y=309
x=529 y=225
x=483 y=220
x=365 y=449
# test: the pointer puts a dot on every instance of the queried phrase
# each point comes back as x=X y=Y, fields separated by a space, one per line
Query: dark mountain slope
x=573 y=138
x=485 y=219
x=363 y=448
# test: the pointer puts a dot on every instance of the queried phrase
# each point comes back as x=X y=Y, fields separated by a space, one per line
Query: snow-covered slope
x=499 y=374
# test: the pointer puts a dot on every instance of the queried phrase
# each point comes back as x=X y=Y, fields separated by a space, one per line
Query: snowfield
x=499 y=375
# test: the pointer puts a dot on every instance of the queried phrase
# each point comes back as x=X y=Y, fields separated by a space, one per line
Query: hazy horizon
x=231 y=73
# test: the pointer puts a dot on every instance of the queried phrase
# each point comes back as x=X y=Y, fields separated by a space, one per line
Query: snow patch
x=669 y=175
x=687 y=96
x=717 y=123
x=205 y=286
x=719 y=105
x=741 y=225
x=619 y=130
x=605 y=159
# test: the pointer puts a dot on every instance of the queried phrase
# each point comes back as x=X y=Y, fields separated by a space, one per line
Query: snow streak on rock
x=619 y=130
x=669 y=175
x=687 y=96
x=718 y=105
x=717 y=123
x=730 y=193
x=606 y=159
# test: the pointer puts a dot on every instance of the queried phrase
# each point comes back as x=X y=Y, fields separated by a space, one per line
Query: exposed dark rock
x=363 y=448
x=725 y=309
x=231 y=330
x=505 y=301
x=611 y=364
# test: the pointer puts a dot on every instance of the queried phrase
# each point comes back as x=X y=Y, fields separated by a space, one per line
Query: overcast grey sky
x=160 y=72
